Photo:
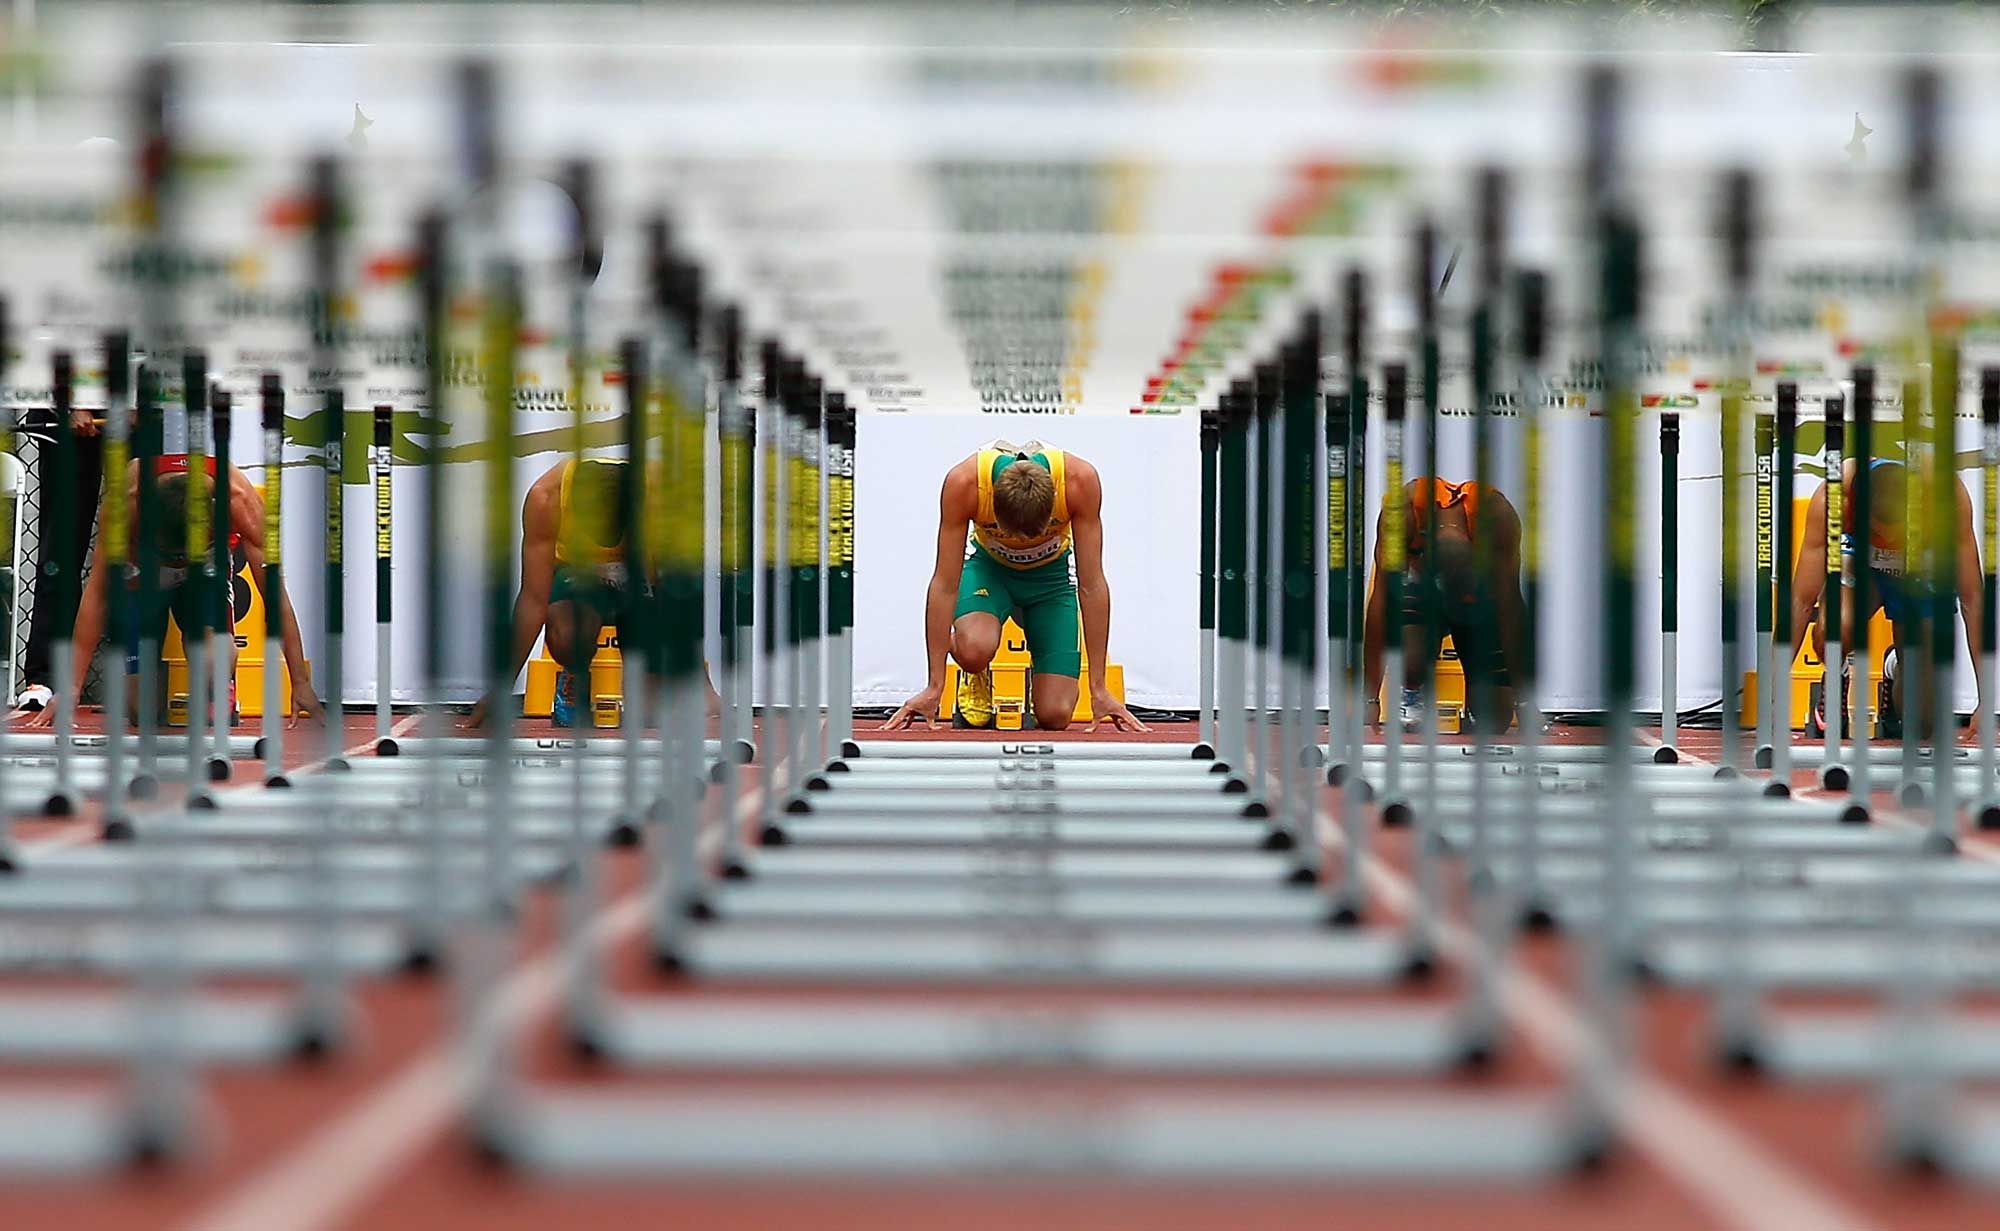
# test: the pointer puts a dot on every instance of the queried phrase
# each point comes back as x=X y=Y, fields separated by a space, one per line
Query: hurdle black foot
x=848 y=748
x=1302 y=875
x=1420 y=965
x=1202 y=752
x=1396 y=815
x=492 y=1152
x=338 y=765
x=1593 y=1153
x=1476 y=1055
x=387 y=747
x=1854 y=814
x=218 y=770
x=1277 y=840
x=818 y=782
x=1219 y=767
x=1642 y=971
x=699 y=910
x=1538 y=919
x=1235 y=786
x=1336 y=773
x=1312 y=756
x=7 y=865
x=143 y=786
x=1910 y=795
x=278 y=782
x=1834 y=777
x=1256 y=810
x=1740 y=1058
x=1940 y=844
x=718 y=772
x=1666 y=755
x=1778 y=790
x=735 y=870
x=622 y=833
x=1726 y=773
x=118 y=829
x=257 y=749
x=1343 y=916
x=203 y=802
x=773 y=835
x=421 y=959
x=148 y=1150
x=585 y=1048
x=798 y=806
x=1764 y=757
x=313 y=1044
x=1989 y=817
x=59 y=804
x=668 y=963
x=1364 y=790
x=1917 y=1159
x=838 y=766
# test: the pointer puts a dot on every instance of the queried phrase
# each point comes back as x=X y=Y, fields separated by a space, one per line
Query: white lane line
x=317 y=1183
x=1722 y=1169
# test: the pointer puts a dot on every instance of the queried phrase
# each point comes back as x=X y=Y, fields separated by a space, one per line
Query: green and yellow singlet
x=590 y=517
x=1018 y=550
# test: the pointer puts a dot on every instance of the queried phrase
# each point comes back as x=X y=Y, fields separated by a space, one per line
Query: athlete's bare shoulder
x=961 y=485
x=1086 y=486
x=542 y=505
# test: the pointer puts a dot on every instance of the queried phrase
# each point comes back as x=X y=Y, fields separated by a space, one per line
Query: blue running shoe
x=562 y=711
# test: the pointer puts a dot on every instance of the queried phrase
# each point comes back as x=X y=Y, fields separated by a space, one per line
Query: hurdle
x=1987 y=810
x=1862 y=445
x=1783 y=646
x=382 y=463
x=201 y=564
x=64 y=588
x=1346 y=544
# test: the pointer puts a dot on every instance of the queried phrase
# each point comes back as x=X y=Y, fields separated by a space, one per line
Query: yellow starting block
x=1011 y=668
x=1807 y=669
x=607 y=682
x=1450 y=676
x=249 y=661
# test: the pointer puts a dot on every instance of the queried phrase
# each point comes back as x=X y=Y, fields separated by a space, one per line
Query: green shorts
x=600 y=588
x=1041 y=599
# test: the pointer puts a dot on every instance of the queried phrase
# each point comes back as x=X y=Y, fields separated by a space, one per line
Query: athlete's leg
x=571 y=629
x=1055 y=700
x=1475 y=634
x=1421 y=640
x=984 y=599
x=1048 y=616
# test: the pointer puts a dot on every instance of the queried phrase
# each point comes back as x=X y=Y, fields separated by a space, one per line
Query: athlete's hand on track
x=305 y=705
x=41 y=719
x=924 y=705
x=1106 y=708
x=477 y=718
x=1374 y=714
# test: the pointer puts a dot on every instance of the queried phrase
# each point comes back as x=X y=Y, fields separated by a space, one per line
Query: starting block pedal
x=1450 y=676
x=607 y=682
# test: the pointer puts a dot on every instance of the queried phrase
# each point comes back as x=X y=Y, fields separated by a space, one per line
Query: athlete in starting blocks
x=1036 y=552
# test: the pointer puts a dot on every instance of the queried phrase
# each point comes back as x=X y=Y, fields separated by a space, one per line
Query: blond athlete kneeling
x=1033 y=513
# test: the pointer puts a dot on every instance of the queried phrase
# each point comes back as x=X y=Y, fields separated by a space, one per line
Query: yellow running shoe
x=975 y=698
